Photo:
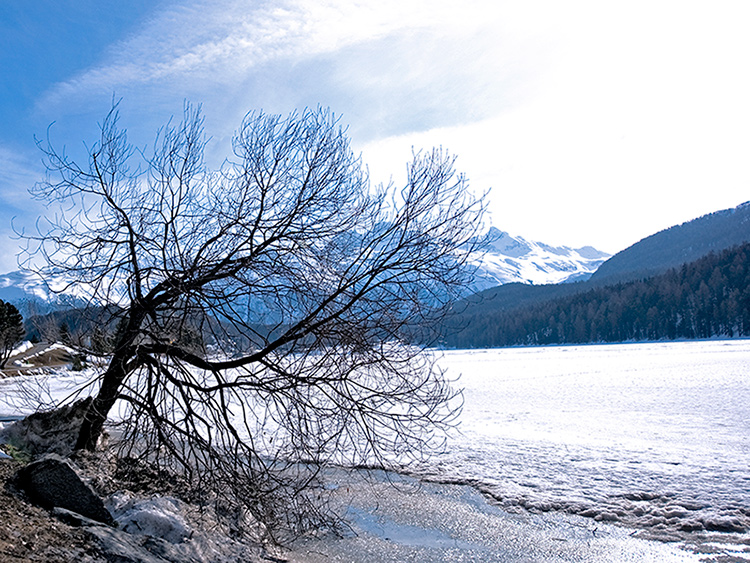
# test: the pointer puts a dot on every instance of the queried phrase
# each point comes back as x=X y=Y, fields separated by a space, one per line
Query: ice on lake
x=655 y=436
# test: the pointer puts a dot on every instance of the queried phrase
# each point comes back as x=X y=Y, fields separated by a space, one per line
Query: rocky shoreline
x=59 y=506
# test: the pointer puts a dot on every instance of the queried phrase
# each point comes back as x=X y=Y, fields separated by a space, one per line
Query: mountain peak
x=33 y=294
x=513 y=259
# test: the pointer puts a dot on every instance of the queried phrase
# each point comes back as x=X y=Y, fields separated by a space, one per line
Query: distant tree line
x=706 y=298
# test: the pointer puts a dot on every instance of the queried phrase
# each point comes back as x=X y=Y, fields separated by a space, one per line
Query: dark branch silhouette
x=272 y=315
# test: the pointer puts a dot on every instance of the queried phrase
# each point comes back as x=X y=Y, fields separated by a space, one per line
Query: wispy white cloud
x=224 y=40
x=18 y=172
x=388 y=66
x=594 y=122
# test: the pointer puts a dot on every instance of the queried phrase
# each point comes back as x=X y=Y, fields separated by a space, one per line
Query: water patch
x=382 y=526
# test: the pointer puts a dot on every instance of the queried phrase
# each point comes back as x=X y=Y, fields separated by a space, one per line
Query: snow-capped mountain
x=34 y=294
x=506 y=259
x=15 y=286
x=509 y=259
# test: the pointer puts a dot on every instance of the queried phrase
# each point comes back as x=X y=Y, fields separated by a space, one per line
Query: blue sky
x=592 y=122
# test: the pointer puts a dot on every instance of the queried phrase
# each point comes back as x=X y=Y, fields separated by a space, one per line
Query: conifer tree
x=11 y=331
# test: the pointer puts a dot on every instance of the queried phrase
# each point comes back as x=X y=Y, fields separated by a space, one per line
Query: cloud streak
x=225 y=40
x=390 y=67
x=595 y=123
x=17 y=174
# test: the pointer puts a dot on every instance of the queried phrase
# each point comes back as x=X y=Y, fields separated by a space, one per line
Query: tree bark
x=112 y=381
x=96 y=415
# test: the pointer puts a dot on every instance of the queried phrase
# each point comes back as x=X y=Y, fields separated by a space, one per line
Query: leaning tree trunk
x=112 y=381
x=96 y=414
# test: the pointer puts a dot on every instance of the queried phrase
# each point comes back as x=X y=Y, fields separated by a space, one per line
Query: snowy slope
x=34 y=294
x=511 y=259
x=507 y=259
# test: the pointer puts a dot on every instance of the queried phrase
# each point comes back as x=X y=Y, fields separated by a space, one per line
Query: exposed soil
x=30 y=533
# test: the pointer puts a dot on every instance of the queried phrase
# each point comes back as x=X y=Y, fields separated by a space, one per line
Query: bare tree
x=273 y=314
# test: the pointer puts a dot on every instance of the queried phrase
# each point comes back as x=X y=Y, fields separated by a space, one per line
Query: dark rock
x=51 y=481
x=73 y=518
x=119 y=547
x=54 y=431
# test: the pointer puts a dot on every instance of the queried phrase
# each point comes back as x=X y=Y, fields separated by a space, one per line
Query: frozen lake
x=654 y=436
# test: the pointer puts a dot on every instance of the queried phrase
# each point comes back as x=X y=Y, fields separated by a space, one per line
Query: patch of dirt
x=29 y=533
x=130 y=485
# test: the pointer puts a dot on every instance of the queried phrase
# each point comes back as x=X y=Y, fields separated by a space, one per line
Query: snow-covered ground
x=655 y=436
x=25 y=394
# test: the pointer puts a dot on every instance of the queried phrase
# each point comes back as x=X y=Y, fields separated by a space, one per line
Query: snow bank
x=161 y=517
x=23 y=347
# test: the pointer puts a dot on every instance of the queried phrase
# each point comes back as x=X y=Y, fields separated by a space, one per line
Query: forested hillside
x=677 y=245
x=706 y=298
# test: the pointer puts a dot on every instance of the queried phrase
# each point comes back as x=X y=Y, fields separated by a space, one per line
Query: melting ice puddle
x=405 y=534
x=446 y=523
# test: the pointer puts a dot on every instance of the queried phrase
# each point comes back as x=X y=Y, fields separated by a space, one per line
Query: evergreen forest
x=707 y=298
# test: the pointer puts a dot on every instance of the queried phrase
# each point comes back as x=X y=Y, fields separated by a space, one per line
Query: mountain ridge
x=705 y=298
x=652 y=256
x=34 y=294
x=513 y=259
x=678 y=245
x=507 y=259
x=509 y=266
